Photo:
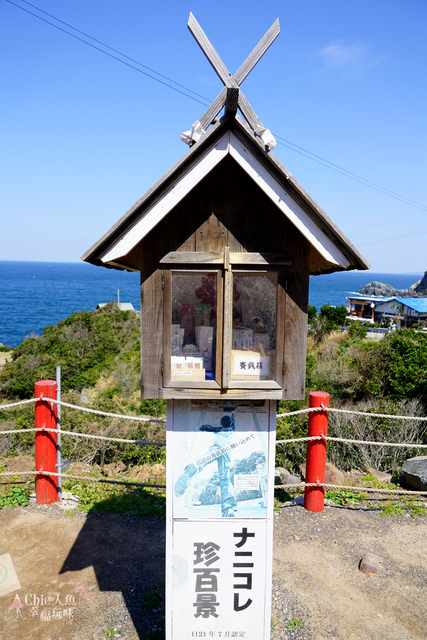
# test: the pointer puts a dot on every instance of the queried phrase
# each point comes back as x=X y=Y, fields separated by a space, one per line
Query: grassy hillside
x=99 y=356
x=86 y=345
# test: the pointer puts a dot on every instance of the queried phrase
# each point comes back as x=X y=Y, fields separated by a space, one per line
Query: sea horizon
x=37 y=294
x=81 y=262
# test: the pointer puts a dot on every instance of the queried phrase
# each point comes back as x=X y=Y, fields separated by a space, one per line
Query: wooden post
x=314 y=497
x=46 y=442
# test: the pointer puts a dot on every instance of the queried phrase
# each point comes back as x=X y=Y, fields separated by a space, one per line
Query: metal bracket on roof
x=231 y=96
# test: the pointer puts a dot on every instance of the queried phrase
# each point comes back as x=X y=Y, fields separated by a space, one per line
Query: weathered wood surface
x=209 y=51
x=230 y=81
x=216 y=257
x=296 y=305
x=232 y=100
x=151 y=331
x=142 y=208
x=228 y=326
x=257 y=53
x=212 y=111
x=195 y=235
x=280 y=322
x=232 y=394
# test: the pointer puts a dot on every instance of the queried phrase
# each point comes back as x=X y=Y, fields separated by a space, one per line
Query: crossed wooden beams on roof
x=231 y=96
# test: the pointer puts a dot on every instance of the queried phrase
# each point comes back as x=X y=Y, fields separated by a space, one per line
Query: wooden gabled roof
x=330 y=249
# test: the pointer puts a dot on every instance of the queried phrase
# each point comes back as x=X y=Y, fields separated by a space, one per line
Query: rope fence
x=410 y=445
x=84 y=409
x=287 y=487
x=288 y=414
x=390 y=416
x=82 y=435
x=304 y=485
x=79 y=477
x=321 y=410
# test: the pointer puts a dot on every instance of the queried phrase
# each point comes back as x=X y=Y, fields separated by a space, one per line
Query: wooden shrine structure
x=225 y=242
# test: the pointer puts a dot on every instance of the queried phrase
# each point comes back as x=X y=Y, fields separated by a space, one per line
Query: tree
x=312 y=313
x=334 y=316
x=396 y=366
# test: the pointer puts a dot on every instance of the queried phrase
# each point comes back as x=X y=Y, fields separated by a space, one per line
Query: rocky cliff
x=416 y=290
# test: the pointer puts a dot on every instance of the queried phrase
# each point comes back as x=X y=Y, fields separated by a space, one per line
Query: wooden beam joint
x=232 y=100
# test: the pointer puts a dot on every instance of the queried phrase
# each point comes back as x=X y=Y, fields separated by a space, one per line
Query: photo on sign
x=220 y=459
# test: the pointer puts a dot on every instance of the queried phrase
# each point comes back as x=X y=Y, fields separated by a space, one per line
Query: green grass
x=412 y=506
x=344 y=496
x=294 y=623
x=15 y=497
x=372 y=481
x=96 y=497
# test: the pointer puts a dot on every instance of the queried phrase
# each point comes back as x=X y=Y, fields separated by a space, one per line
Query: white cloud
x=205 y=80
x=348 y=57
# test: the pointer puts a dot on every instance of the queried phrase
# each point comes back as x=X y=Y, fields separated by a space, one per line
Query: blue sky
x=83 y=136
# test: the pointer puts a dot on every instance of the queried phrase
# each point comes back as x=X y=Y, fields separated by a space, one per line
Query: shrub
x=84 y=345
x=335 y=316
x=395 y=367
x=358 y=427
x=312 y=313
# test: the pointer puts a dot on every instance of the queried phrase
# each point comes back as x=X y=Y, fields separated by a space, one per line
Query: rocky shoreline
x=416 y=290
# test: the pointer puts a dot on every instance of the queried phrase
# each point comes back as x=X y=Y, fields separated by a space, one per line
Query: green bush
x=312 y=313
x=357 y=331
x=395 y=367
x=335 y=316
x=84 y=345
x=15 y=497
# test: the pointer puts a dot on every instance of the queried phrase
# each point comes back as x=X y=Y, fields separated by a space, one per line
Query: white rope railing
x=66 y=476
x=342 y=487
x=391 y=416
x=288 y=414
x=411 y=445
x=84 y=409
x=298 y=412
x=83 y=435
x=18 y=404
x=286 y=487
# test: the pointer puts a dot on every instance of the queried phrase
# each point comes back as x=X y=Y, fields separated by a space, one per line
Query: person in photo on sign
x=221 y=441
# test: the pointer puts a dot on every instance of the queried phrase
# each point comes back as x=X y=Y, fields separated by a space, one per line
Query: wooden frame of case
x=225 y=265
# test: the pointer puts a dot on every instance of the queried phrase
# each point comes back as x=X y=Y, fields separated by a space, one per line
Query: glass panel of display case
x=194 y=321
x=253 y=343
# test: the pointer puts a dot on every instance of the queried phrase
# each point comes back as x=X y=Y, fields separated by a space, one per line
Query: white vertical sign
x=220 y=479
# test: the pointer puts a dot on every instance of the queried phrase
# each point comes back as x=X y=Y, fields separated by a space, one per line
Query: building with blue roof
x=405 y=311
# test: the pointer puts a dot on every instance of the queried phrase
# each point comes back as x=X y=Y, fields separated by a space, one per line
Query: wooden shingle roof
x=330 y=249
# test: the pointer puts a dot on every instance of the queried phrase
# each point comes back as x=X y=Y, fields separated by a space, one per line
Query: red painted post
x=46 y=417
x=314 y=497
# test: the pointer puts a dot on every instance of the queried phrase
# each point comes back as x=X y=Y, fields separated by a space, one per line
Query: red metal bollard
x=46 y=442
x=314 y=497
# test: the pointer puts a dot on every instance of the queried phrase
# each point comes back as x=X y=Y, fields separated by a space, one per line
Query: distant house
x=362 y=307
x=123 y=306
x=406 y=311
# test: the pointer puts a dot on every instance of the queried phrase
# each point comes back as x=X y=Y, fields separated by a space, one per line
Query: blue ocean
x=34 y=295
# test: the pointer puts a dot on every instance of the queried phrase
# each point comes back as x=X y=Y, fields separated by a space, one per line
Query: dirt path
x=316 y=564
x=108 y=571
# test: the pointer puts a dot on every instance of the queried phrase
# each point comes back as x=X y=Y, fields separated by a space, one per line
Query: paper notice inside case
x=246 y=482
x=250 y=364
